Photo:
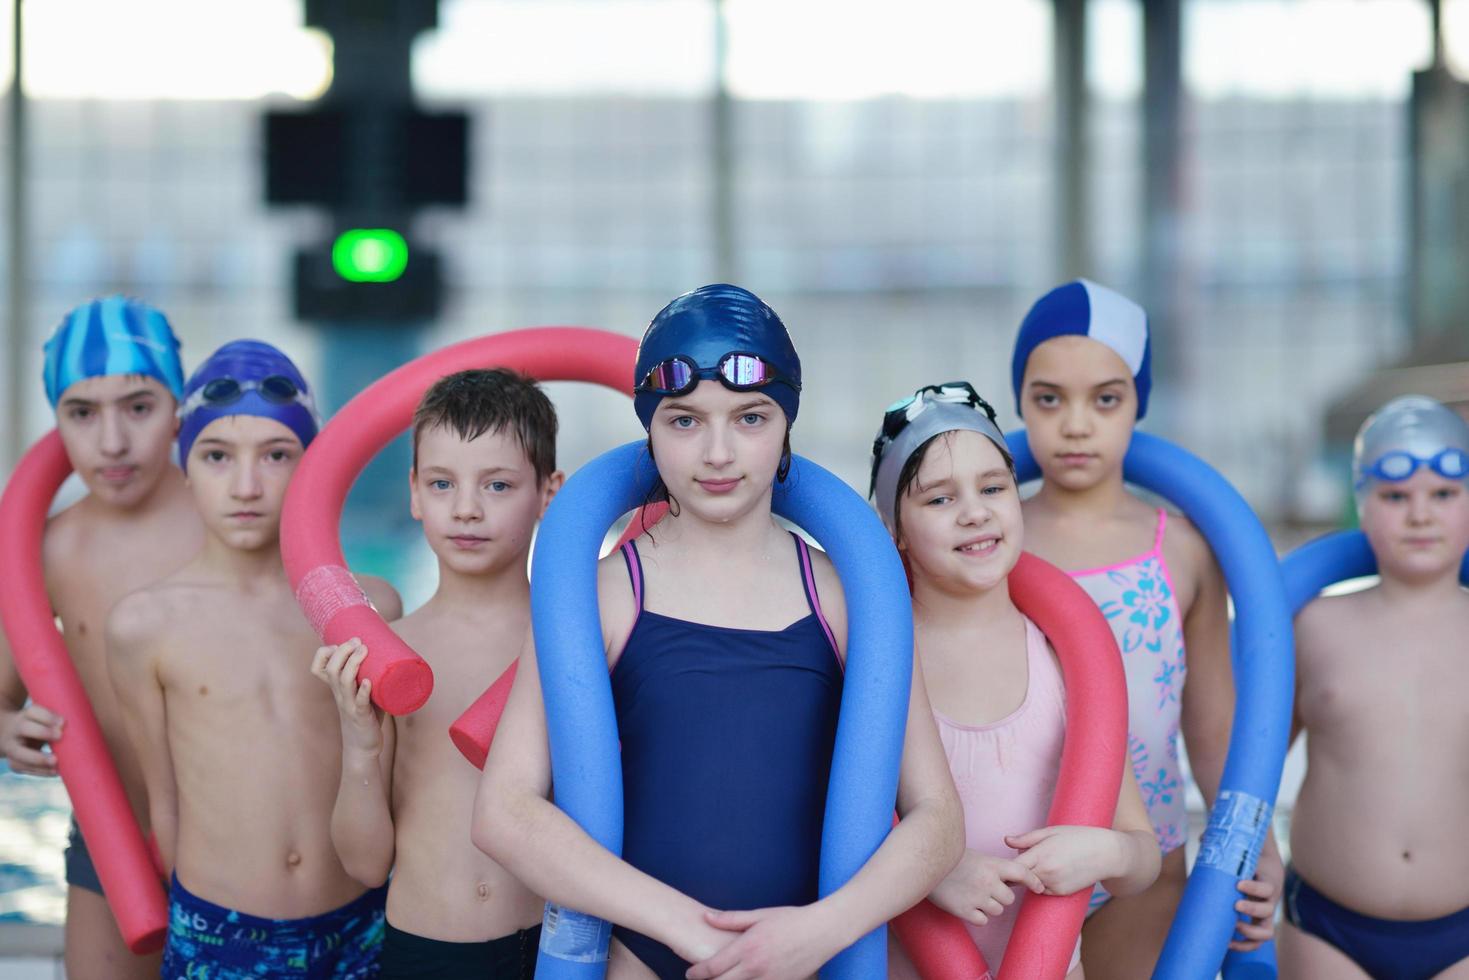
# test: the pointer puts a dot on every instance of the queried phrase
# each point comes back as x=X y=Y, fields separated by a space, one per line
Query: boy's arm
x=362 y=818
x=921 y=850
x=516 y=824
x=24 y=728
x=385 y=598
x=133 y=629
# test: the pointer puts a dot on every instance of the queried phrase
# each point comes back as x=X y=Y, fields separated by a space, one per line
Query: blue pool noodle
x=582 y=723
x=1264 y=686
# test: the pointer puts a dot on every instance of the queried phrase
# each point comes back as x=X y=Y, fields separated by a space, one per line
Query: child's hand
x=978 y=889
x=361 y=719
x=1262 y=893
x=24 y=739
x=770 y=944
x=1068 y=859
x=697 y=940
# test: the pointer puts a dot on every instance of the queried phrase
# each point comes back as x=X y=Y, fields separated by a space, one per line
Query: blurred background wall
x=900 y=181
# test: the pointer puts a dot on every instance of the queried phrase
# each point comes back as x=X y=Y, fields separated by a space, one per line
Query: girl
x=724 y=636
x=1379 y=879
x=945 y=487
x=1081 y=374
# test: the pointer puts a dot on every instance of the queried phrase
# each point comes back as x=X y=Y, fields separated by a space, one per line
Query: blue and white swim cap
x=1084 y=309
x=112 y=335
x=1407 y=433
x=246 y=377
x=706 y=325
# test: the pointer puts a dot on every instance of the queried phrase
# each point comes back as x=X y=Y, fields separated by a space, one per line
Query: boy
x=237 y=744
x=112 y=374
x=1379 y=879
x=484 y=469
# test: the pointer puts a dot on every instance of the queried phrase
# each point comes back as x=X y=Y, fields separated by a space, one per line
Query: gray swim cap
x=913 y=421
x=1407 y=433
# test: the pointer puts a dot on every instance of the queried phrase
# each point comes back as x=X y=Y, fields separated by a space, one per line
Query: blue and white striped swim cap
x=112 y=335
x=1082 y=308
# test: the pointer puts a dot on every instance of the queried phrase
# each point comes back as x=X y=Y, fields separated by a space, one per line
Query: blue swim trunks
x=1384 y=949
x=209 y=942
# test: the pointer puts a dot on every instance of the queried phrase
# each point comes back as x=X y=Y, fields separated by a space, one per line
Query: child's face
x=1418 y=528
x=960 y=518
x=479 y=500
x=717 y=450
x=1079 y=402
x=238 y=469
x=118 y=431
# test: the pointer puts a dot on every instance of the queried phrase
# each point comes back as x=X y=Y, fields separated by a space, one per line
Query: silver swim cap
x=1407 y=433
x=911 y=422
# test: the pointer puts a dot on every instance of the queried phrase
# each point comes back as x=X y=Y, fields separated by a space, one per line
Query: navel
x=483 y=891
x=293 y=860
x=203 y=690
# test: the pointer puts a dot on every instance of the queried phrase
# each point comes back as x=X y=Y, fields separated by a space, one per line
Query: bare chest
x=1375 y=683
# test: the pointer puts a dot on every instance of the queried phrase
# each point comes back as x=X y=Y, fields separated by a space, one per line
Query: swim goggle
x=1397 y=465
x=276 y=389
x=737 y=370
x=905 y=410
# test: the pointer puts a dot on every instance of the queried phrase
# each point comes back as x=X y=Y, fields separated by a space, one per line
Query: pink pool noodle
x=310 y=547
x=124 y=865
x=1086 y=789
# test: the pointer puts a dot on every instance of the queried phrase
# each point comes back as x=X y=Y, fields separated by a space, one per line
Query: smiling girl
x=945 y=486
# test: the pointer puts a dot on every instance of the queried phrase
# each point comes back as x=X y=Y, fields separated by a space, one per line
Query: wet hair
x=909 y=473
x=471 y=403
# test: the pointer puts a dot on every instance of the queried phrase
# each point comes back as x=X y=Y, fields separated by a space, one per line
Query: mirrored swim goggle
x=1397 y=465
x=737 y=370
x=276 y=389
x=905 y=410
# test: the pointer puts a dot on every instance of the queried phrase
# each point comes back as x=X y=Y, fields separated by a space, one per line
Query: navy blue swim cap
x=246 y=377
x=704 y=326
x=1084 y=309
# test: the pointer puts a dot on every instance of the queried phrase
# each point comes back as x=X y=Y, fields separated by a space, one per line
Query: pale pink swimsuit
x=1137 y=598
x=1005 y=773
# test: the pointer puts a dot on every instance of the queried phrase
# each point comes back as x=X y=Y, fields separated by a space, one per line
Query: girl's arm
x=1125 y=859
x=362 y=817
x=516 y=824
x=924 y=846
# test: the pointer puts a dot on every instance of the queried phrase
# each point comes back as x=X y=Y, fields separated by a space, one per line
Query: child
x=945 y=487
x=724 y=635
x=1081 y=375
x=112 y=374
x=1379 y=878
x=239 y=745
x=484 y=469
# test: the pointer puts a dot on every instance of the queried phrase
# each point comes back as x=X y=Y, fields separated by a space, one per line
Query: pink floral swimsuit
x=1137 y=598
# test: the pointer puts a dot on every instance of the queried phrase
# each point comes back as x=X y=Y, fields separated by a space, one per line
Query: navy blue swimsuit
x=727 y=740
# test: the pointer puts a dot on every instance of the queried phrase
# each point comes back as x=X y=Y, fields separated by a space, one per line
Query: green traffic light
x=370 y=255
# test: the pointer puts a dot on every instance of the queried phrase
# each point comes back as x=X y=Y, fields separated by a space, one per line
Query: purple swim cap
x=246 y=377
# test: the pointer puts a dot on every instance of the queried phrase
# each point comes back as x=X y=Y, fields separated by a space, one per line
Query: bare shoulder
x=66 y=535
x=618 y=604
x=140 y=619
x=828 y=582
x=1186 y=541
x=384 y=597
x=1327 y=620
